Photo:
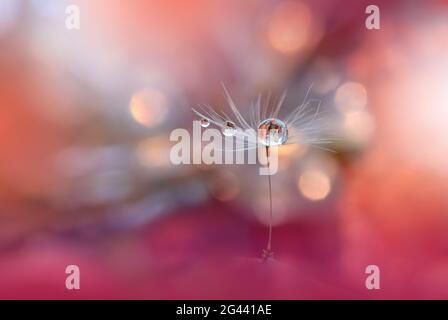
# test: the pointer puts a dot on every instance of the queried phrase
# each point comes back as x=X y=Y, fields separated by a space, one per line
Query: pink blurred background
x=85 y=176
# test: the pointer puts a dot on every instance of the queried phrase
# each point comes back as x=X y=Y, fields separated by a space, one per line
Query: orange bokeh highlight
x=290 y=27
x=149 y=107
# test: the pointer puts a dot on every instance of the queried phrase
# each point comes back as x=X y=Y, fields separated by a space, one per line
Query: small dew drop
x=229 y=129
x=205 y=123
x=272 y=132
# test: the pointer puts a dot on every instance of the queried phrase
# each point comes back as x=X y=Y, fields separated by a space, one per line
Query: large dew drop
x=229 y=129
x=272 y=132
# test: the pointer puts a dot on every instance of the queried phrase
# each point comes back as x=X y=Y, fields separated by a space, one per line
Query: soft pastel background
x=85 y=176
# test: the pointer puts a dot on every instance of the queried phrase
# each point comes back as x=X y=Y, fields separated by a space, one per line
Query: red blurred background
x=85 y=176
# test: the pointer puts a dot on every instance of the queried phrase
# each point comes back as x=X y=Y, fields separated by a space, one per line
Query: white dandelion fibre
x=306 y=124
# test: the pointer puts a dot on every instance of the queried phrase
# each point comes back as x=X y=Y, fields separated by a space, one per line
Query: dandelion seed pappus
x=267 y=128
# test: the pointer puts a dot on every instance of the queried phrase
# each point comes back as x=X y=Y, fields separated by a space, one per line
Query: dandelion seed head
x=265 y=126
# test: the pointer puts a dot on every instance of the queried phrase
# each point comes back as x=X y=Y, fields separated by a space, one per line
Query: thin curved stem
x=267 y=253
x=270 y=203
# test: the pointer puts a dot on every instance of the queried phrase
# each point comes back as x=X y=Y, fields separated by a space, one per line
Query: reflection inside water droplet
x=229 y=129
x=205 y=123
x=272 y=132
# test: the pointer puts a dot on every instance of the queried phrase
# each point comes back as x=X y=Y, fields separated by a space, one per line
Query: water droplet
x=229 y=129
x=205 y=123
x=272 y=132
